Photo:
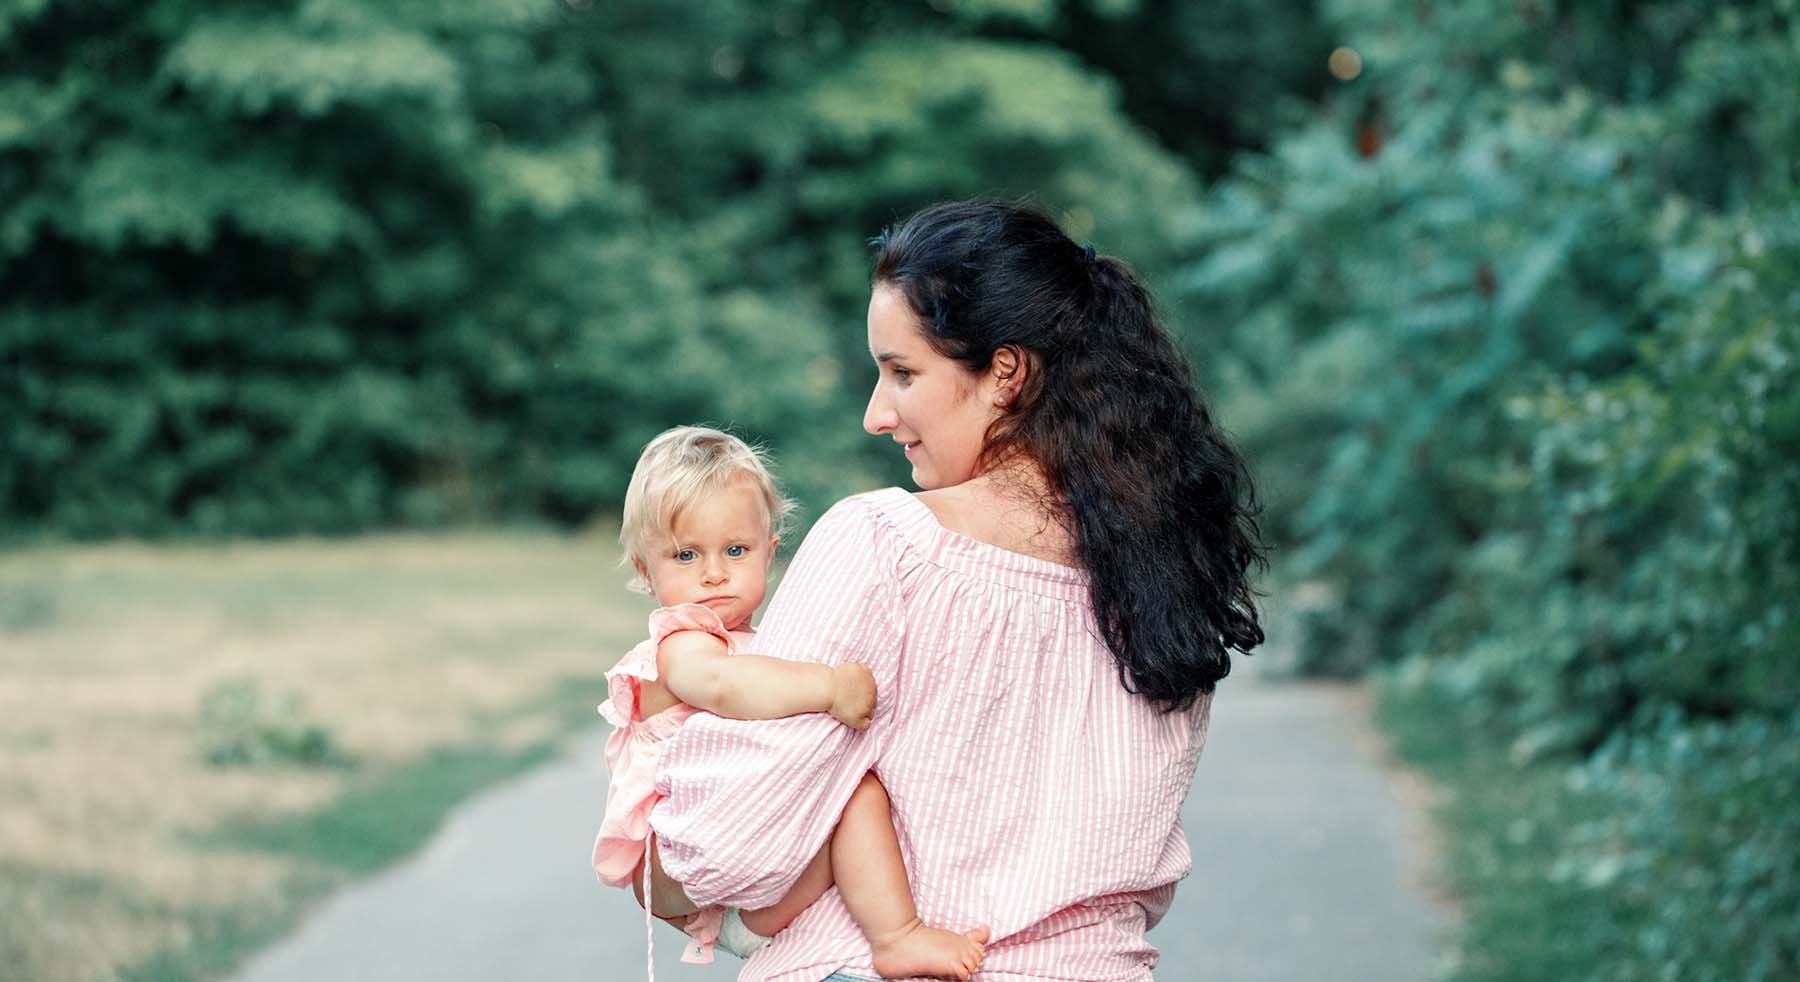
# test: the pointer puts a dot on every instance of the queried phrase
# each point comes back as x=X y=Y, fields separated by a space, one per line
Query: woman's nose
x=878 y=418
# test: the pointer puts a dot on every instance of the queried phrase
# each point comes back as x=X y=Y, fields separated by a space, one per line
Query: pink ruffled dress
x=631 y=755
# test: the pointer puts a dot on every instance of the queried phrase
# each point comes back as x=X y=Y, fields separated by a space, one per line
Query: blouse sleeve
x=748 y=803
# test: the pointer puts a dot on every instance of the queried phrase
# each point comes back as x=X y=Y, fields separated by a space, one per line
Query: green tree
x=333 y=264
x=1511 y=330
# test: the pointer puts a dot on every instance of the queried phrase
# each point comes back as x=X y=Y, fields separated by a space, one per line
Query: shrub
x=241 y=725
x=1513 y=330
x=1666 y=855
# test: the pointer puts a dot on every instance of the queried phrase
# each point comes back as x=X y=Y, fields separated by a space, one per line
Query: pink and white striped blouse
x=1031 y=792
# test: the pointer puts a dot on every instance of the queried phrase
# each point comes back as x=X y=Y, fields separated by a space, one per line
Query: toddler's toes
x=928 y=951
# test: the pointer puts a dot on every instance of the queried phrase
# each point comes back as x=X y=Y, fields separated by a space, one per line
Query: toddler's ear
x=774 y=544
x=642 y=570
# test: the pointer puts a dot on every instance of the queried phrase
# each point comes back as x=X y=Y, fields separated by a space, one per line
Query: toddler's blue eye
x=685 y=556
x=736 y=552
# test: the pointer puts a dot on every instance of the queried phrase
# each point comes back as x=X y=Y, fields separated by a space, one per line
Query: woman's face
x=931 y=405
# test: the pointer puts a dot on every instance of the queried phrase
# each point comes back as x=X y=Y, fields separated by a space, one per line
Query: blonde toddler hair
x=676 y=469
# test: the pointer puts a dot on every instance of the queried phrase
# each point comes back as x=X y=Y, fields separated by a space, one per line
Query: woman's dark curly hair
x=1161 y=507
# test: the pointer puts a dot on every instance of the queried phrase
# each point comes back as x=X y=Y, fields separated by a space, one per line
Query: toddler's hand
x=854 y=702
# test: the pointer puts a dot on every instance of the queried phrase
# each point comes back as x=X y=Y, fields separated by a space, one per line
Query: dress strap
x=649 y=923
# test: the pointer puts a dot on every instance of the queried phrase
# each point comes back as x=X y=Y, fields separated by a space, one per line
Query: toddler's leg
x=871 y=877
x=811 y=885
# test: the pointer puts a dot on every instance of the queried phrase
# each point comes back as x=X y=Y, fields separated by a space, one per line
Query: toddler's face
x=719 y=556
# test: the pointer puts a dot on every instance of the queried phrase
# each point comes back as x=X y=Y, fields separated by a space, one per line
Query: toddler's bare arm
x=695 y=667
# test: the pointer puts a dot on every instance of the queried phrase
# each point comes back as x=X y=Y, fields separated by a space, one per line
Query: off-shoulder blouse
x=1030 y=790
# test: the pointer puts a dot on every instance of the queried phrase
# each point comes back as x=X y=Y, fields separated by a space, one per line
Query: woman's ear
x=1008 y=371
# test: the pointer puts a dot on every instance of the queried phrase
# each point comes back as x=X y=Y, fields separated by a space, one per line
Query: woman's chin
x=934 y=480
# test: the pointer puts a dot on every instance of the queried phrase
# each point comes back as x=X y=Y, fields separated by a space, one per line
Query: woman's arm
x=747 y=804
x=697 y=668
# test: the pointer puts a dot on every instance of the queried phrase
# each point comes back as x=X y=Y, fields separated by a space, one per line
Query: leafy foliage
x=1514 y=333
x=241 y=725
x=1515 y=368
x=1664 y=855
x=330 y=265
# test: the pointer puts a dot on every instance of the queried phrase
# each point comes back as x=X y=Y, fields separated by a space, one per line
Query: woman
x=1046 y=621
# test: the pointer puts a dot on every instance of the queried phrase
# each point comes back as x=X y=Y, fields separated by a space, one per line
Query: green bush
x=241 y=725
x=1695 y=827
x=1512 y=331
x=1666 y=855
x=1654 y=551
x=1517 y=371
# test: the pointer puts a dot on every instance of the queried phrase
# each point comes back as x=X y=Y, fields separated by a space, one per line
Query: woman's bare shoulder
x=1000 y=517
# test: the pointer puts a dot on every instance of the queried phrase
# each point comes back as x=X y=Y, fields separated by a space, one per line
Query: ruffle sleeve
x=665 y=621
x=639 y=665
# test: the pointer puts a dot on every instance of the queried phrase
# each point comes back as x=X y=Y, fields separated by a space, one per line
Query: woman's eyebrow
x=887 y=356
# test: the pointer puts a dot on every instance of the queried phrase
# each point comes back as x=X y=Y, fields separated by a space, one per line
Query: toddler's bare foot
x=916 y=950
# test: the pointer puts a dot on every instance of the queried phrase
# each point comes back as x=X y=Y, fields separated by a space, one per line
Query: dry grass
x=396 y=645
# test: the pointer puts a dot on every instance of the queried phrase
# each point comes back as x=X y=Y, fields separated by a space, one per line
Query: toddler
x=702 y=520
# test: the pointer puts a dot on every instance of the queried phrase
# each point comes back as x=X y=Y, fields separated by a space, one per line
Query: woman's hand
x=853 y=699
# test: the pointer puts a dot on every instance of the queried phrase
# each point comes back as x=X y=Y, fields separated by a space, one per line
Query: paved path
x=1305 y=868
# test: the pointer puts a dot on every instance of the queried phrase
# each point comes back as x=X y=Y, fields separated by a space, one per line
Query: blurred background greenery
x=1501 y=298
x=335 y=265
